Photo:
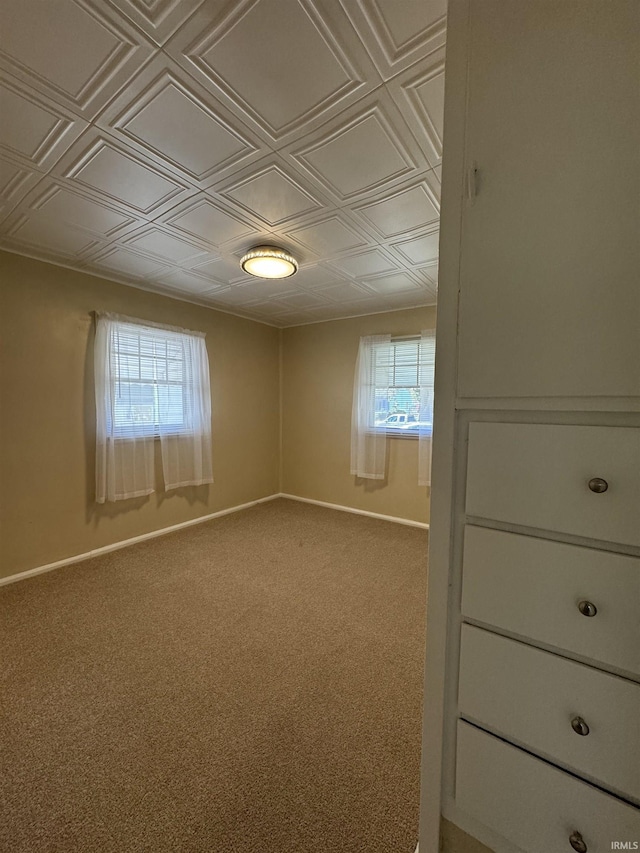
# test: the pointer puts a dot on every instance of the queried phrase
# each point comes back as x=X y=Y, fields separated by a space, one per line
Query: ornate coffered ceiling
x=153 y=142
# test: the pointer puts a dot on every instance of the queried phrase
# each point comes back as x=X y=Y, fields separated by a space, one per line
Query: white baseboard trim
x=378 y=515
x=124 y=543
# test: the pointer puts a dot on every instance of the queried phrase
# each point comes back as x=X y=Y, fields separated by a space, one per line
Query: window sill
x=398 y=433
x=154 y=436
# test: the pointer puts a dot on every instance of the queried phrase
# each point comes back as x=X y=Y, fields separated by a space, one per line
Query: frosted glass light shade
x=269 y=262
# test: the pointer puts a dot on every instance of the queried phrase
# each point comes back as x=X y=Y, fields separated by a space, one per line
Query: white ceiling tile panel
x=271 y=310
x=427 y=94
x=427 y=276
x=25 y=126
x=209 y=222
x=381 y=303
x=349 y=307
x=401 y=23
x=315 y=276
x=69 y=206
x=89 y=56
x=264 y=289
x=419 y=250
x=398 y=32
x=281 y=37
x=159 y=19
x=155 y=141
x=316 y=315
x=128 y=264
x=272 y=196
x=189 y=283
x=15 y=182
x=346 y=291
x=50 y=234
x=359 y=156
x=412 y=299
x=11 y=176
x=404 y=210
x=434 y=182
x=371 y=262
x=81 y=46
x=155 y=241
x=419 y=94
x=222 y=270
x=167 y=116
x=236 y=295
x=303 y=300
x=120 y=176
x=427 y=99
x=32 y=130
x=271 y=79
x=390 y=284
x=174 y=125
x=328 y=237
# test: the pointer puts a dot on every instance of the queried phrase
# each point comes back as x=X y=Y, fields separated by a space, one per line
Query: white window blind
x=392 y=394
x=408 y=364
x=151 y=381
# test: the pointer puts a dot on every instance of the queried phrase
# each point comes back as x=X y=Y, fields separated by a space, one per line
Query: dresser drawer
x=531 y=697
x=533 y=587
x=538 y=475
x=532 y=804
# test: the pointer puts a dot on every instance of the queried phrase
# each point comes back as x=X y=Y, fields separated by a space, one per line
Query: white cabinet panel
x=538 y=474
x=549 y=303
x=538 y=311
x=532 y=587
x=533 y=804
x=537 y=698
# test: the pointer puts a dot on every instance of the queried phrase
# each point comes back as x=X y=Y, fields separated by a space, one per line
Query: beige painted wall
x=47 y=415
x=47 y=420
x=318 y=363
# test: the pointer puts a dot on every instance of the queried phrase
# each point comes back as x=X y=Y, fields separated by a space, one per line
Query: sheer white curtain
x=425 y=428
x=186 y=453
x=150 y=380
x=124 y=466
x=371 y=383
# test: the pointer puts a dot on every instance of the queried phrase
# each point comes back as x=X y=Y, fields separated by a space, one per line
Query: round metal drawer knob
x=598 y=485
x=579 y=726
x=587 y=608
x=577 y=842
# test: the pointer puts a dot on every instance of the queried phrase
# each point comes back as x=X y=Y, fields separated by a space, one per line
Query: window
x=392 y=395
x=151 y=381
x=151 y=386
x=404 y=378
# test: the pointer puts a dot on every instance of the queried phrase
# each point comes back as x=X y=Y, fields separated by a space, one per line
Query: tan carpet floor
x=249 y=685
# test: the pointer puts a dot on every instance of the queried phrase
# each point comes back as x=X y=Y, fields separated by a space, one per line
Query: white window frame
x=126 y=431
x=402 y=431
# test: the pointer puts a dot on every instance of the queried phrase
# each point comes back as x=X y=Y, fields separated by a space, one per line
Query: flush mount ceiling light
x=269 y=262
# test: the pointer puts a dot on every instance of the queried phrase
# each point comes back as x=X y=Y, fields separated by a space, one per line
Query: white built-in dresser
x=532 y=700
